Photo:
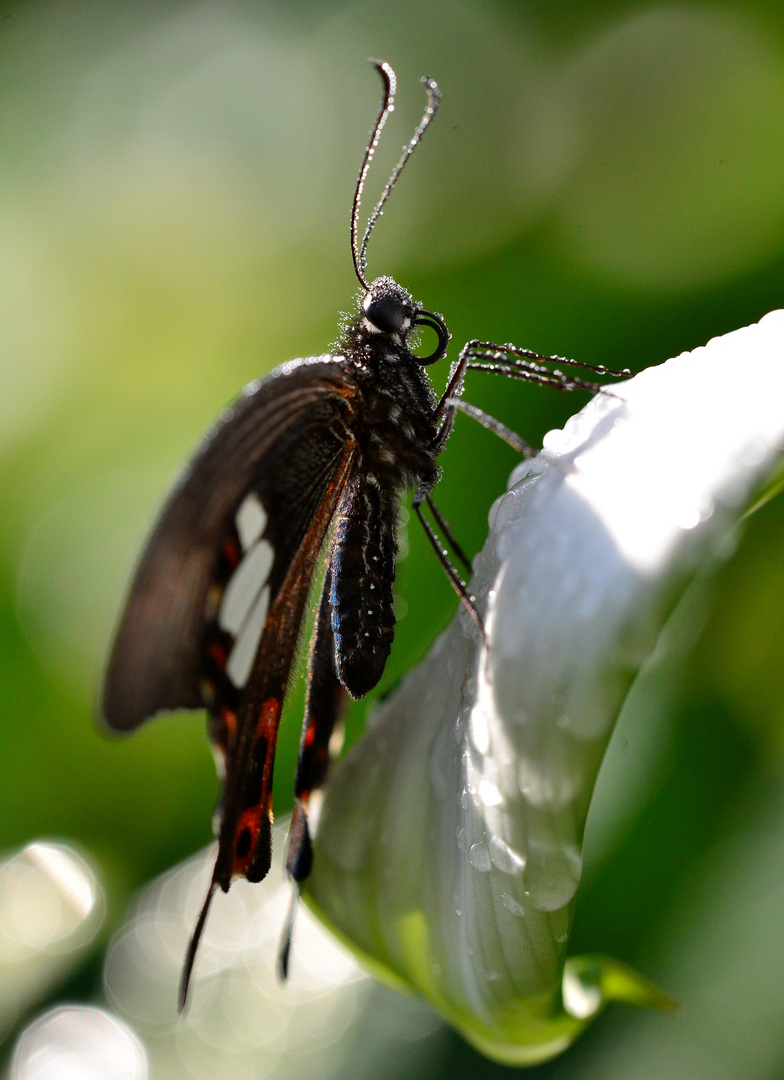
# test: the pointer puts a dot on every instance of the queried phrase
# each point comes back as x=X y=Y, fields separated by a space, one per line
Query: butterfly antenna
x=359 y=252
x=193 y=945
x=387 y=105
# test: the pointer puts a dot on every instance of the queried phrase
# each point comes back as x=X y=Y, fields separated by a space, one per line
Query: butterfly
x=309 y=463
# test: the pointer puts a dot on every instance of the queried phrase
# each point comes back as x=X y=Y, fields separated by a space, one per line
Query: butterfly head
x=387 y=308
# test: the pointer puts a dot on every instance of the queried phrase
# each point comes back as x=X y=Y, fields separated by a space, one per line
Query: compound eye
x=385 y=313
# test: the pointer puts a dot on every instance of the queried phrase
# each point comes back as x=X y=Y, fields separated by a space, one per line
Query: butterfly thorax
x=395 y=425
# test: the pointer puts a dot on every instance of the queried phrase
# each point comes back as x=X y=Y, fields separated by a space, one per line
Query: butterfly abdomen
x=363 y=573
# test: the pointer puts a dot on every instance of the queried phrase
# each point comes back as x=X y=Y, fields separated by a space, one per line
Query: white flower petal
x=449 y=849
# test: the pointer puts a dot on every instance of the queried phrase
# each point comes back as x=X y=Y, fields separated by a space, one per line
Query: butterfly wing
x=265 y=466
x=215 y=609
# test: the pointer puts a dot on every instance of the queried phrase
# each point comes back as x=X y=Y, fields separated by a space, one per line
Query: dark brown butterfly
x=311 y=461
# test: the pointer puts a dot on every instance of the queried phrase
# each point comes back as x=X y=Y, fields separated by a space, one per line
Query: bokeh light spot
x=78 y=1043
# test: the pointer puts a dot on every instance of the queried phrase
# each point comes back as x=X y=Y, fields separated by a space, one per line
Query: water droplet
x=552 y=874
x=460 y=726
x=511 y=904
x=580 y=1000
x=479 y=857
x=503 y=857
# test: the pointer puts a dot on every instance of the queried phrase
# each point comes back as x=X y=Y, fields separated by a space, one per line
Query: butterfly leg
x=511 y=438
x=457 y=583
x=502 y=360
x=446 y=529
x=448 y=406
x=531 y=364
x=446 y=409
x=515 y=363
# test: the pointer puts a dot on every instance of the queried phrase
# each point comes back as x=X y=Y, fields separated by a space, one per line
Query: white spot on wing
x=244 y=587
x=220 y=762
x=251 y=520
x=243 y=654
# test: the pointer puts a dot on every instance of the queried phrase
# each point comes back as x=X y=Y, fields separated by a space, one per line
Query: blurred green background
x=604 y=181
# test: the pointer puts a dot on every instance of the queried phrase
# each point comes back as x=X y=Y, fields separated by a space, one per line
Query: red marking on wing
x=231 y=552
x=245 y=838
x=255 y=820
x=310 y=732
x=218 y=653
x=269 y=718
x=229 y=718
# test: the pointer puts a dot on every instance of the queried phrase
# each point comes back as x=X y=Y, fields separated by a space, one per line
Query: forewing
x=267 y=462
